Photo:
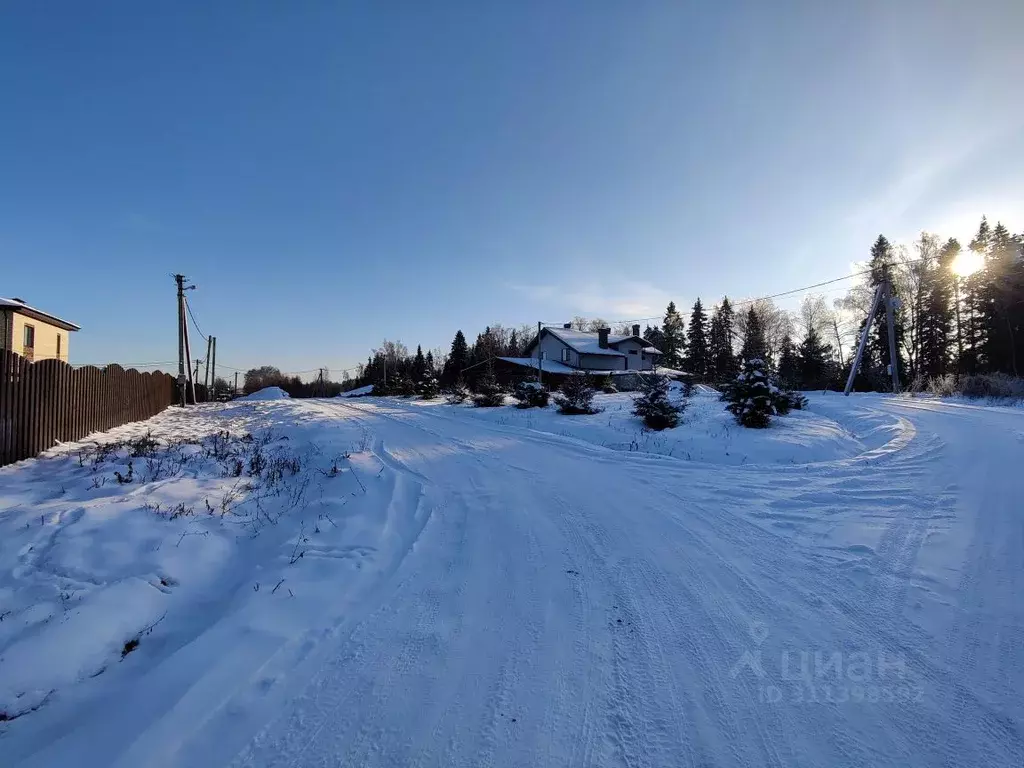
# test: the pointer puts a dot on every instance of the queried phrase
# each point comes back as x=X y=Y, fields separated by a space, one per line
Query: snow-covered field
x=382 y=582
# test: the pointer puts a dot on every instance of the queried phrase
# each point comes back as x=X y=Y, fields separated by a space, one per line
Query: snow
x=267 y=393
x=391 y=582
x=554 y=366
x=358 y=391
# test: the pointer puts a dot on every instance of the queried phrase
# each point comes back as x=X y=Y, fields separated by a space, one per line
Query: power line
x=189 y=308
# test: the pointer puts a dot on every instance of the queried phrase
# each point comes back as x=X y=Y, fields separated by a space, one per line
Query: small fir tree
x=428 y=389
x=577 y=396
x=697 y=361
x=457 y=392
x=489 y=393
x=750 y=397
x=654 y=406
x=530 y=394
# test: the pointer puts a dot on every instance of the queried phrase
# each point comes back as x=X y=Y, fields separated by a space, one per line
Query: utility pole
x=213 y=363
x=236 y=383
x=206 y=376
x=890 y=320
x=882 y=293
x=188 y=357
x=180 y=280
x=540 y=356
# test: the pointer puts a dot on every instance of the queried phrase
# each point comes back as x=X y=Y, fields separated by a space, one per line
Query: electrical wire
x=189 y=308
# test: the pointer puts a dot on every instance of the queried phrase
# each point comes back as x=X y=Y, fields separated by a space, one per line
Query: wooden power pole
x=180 y=280
x=882 y=293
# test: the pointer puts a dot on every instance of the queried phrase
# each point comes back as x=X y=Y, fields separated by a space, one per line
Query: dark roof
x=19 y=306
x=588 y=342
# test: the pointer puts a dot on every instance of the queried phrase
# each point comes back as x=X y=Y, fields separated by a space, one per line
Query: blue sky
x=330 y=174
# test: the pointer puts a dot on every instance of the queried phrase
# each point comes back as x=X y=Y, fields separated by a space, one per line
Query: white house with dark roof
x=597 y=351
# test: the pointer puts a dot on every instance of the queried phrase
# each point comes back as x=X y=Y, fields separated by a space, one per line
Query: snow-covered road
x=561 y=604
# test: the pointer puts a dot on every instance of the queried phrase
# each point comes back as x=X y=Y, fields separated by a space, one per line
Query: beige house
x=32 y=333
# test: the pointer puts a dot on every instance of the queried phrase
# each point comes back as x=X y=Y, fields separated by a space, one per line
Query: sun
x=967 y=263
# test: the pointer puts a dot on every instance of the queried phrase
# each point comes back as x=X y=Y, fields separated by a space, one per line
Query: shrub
x=999 y=385
x=750 y=396
x=605 y=384
x=577 y=396
x=530 y=394
x=654 y=407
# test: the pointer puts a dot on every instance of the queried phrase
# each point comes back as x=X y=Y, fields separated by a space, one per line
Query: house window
x=59 y=340
x=565 y=355
x=30 y=337
x=632 y=351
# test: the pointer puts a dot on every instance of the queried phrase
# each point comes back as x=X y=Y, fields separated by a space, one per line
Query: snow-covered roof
x=20 y=306
x=588 y=342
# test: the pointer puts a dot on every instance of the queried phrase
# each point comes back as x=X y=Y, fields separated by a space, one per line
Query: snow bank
x=267 y=393
x=358 y=391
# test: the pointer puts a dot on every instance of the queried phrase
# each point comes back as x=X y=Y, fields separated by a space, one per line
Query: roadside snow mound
x=358 y=392
x=267 y=393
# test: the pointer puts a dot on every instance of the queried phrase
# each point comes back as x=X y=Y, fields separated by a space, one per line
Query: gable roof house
x=32 y=333
x=592 y=351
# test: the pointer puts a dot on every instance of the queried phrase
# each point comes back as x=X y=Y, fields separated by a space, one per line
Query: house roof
x=37 y=314
x=588 y=342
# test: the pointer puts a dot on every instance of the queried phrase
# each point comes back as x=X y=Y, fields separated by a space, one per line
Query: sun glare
x=967 y=263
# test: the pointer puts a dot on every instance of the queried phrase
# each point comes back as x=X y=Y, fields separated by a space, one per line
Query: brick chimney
x=636 y=329
x=602 y=337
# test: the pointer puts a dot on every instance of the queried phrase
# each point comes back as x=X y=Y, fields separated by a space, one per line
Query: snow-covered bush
x=456 y=393
x=577 y=396
x=403 y=387
x=605 y=384
x=787 y=400
x=530 y=394
x=750 y=396
x=654 y=406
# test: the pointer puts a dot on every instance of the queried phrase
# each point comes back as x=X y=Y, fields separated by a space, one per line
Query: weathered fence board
x=48 y=402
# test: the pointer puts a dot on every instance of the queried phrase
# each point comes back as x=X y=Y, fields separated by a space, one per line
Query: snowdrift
x=267 y=393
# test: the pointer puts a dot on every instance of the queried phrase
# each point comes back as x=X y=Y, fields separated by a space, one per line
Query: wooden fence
x=49 y=401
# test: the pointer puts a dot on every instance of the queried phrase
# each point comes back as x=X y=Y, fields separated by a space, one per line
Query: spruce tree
x=577 y=395
x=673 y=337
x=972 y=297
x=750 y=396
x=938 y=314
x=876 y=360
x=654 y=335
x=419 y=365
x=458 y=358
x=754 y=345
x=697 y=358
x=722 y=360
x=431 y=368
x=654 y=406
x=513 y=348
x=789 y=364
x=815 y=362
x=1001 y=309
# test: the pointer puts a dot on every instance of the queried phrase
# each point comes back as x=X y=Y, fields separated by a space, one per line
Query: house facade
x=32 y=333
x=594 y=350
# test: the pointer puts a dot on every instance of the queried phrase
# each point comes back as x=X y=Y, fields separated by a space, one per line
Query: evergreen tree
x=673 y=337
x=654 y=406
x=458 y=358
x=789 y=364
x=654 y=335
x=750 y=396
x=722 y=360
x=513 y=349
x=937 y=315
x=1001 y=308
x=431 y=367
x=489 y=393
x=754 y=345
x=697 y=358
x=972 y=308
x=419 y=365
x=815 y=362
x=875 y=364
x=577 y=396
